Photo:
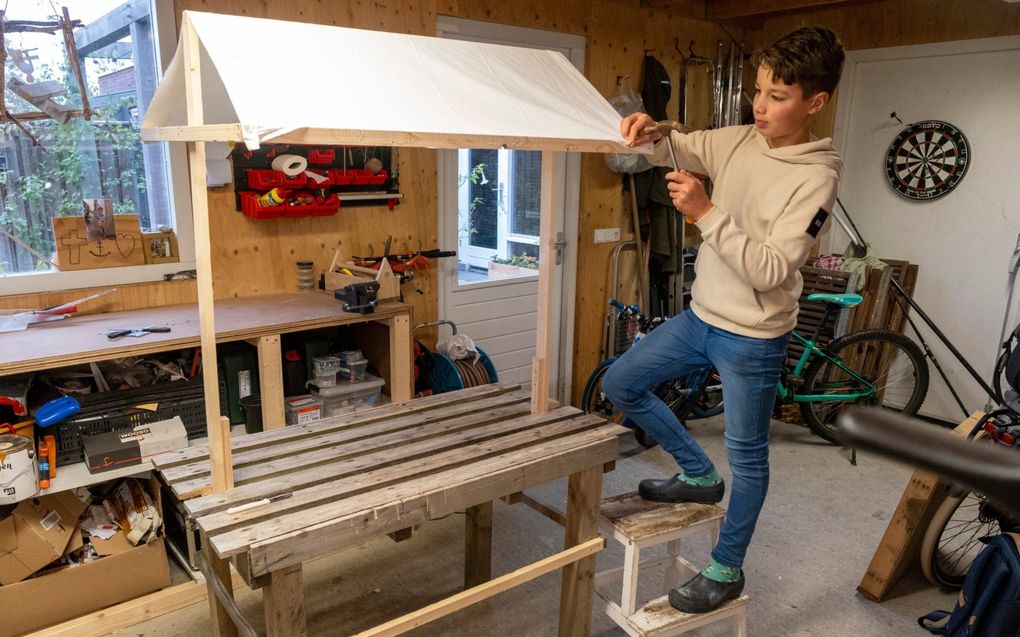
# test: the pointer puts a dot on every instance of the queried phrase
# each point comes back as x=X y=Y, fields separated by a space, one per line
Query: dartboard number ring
x=927 y=159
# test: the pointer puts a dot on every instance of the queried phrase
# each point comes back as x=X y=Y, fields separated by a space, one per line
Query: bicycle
x=874 y=367
x=953 y=537
x=691 y=396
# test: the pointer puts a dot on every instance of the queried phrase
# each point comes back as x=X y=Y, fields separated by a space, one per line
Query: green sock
x=719 y=573
x=710 y=479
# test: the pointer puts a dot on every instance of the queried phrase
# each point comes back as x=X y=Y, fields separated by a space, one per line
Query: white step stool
x=638 y=524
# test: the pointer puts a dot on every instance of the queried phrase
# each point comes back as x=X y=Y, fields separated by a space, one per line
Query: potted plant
x=519 y=265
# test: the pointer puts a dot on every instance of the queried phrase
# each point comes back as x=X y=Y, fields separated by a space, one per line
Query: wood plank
x=335 y=455
x=271 y=382
x=313 y=502
x=284 y=600
x=584 y=493
x=320 y=477
x=219 y=570
x=484 y=591
x=638 y=518
x=478 y=544
x=401 y=382
x=418 y=501
x=901 y=542
x=166 y=461
x=357 y=137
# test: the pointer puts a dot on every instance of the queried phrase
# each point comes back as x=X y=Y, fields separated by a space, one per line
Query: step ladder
x=639 y=524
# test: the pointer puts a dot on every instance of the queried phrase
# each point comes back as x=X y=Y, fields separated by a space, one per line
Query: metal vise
x=358 y=297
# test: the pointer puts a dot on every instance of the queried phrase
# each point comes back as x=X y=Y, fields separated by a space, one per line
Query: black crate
x=125 y=409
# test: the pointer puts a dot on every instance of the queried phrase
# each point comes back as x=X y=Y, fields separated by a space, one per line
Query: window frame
x=165 y=33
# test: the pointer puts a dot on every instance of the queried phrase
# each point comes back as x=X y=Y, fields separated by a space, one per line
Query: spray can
x=274 y=197
x=18 y=472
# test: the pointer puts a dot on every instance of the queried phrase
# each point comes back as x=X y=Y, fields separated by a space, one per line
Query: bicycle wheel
x=953 y=538
x=891 y=363
x=595 y=401
x=694 y=395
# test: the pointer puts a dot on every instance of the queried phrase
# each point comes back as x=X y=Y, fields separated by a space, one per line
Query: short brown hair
x=809 y=56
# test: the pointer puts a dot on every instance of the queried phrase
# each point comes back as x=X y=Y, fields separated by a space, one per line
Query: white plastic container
x=19 y=475
x=348 y=397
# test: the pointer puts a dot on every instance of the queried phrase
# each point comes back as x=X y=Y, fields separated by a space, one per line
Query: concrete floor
x=816 y=535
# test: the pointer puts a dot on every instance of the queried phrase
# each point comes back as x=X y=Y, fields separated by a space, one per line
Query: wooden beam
x=217 y=426
x=223 y=612
x=452 y=604
x=478 y=544
x=271 y=382
x=110 y=27
x=330 y=136
x=284 y=600
x=733 y=9
x=584 y=495
x=550 y=215
x=401 y=359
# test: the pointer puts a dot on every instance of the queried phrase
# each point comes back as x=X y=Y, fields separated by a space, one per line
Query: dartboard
x=927 y=159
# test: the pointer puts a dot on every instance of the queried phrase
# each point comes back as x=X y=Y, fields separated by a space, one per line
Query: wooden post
x=284 y=599
x=401 y=359
x=271 y=382
x=478 y=545
x=584 y=494
x=222 y=624
x=217 y=426
x=550 y=213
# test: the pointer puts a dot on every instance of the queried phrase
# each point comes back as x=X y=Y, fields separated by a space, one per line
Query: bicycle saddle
x=991 y=470
x=842 y=300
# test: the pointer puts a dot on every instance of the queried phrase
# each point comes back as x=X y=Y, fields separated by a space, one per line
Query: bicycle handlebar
x=991 y=470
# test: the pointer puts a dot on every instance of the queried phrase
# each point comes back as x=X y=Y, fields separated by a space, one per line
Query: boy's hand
x=632 y=128
x=688 y=195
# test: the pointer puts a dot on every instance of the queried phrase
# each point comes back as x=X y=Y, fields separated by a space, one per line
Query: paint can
x=18 y=475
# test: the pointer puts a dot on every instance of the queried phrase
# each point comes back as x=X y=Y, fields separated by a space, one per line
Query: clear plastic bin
x=353 y=371
x=348 y=397
x=325 y=365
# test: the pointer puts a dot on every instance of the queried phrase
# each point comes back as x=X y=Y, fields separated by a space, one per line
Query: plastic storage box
x=353 y=371
x=347 y=397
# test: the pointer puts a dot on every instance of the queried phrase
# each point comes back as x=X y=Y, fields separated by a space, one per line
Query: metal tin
x=18 y=475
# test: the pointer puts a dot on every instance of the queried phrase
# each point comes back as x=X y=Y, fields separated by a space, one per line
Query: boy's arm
x=765 y=265
x=693 y=151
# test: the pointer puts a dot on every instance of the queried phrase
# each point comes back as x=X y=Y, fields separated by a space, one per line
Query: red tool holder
x=251 y=208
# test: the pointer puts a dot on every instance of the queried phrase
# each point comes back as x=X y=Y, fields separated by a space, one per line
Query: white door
x=489 y=202
x=961 y=241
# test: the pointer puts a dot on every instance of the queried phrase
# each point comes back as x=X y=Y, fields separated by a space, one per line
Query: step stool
x=638 y=524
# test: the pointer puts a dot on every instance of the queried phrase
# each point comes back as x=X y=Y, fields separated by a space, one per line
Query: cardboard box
x=75 y=591
x=302 y=410
x=37 y=533
x=116 y=449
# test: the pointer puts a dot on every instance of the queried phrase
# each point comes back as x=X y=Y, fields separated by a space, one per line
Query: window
x=122 y=45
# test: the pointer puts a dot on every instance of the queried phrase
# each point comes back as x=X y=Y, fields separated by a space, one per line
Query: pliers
x=142 y=331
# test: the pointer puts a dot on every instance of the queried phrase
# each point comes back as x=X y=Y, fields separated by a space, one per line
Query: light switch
x=607 y=235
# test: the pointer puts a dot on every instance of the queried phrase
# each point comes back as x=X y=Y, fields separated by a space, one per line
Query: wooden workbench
x=356 y=477
x=260 y=320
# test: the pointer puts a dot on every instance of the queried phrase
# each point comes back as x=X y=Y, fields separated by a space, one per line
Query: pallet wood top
x=638 y=518
x=352 y=477
x=82 y=339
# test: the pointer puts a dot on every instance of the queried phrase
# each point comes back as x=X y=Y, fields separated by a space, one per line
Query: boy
x=774 y=188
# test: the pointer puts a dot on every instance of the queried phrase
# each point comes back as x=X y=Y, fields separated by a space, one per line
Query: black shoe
x=675 y=490
x=701 y=594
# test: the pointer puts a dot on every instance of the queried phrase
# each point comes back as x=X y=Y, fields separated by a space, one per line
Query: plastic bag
x=627 y=102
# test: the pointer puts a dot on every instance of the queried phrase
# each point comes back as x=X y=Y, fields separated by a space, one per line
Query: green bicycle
x=878 y=368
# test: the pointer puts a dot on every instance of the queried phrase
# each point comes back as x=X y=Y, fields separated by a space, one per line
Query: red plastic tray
x=268 y=179
x=251 y=208
x=319 y=157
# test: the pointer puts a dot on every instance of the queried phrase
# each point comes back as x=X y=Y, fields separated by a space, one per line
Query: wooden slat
x=638 y=518
x=478 y=593
x=358 y=455
x=436 y=496
x=549 y=215
x=385 y=465
x=319 y=502
x=165 y=461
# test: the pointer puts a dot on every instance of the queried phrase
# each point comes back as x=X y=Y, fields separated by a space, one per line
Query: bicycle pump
x=1014 y=264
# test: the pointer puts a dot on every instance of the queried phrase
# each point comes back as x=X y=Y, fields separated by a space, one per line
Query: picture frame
x=160 y=247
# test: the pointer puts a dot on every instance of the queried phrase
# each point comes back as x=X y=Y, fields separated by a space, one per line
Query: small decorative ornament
x=927 y=159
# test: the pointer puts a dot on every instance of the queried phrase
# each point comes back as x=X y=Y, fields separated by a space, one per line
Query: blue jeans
x=749 y=368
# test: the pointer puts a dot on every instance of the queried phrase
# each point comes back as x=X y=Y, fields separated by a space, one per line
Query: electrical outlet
x=607 y=235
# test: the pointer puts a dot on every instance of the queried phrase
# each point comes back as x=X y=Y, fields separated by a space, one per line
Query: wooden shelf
x=82 y=339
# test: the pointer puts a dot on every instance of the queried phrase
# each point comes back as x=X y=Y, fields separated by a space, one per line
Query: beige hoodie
x=768 y=207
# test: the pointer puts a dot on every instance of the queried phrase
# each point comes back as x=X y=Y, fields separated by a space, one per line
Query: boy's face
x=781 y=111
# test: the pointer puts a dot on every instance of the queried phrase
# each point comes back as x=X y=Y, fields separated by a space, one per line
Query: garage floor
x=820 y=526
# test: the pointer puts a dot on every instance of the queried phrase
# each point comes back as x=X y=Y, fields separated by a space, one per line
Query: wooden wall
x=257 y=257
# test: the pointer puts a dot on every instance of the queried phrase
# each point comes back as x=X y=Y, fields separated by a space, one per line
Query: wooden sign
x=76 y=252
x=160 y=247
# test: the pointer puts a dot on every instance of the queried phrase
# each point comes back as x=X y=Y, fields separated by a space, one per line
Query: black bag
x=989 y=604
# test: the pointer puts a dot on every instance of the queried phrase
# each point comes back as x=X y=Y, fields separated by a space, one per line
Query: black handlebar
x=989 y=469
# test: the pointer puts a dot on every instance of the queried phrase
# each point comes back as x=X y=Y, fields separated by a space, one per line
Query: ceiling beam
x=733 y=9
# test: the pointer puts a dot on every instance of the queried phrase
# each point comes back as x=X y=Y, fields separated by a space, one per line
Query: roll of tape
x=290 y=165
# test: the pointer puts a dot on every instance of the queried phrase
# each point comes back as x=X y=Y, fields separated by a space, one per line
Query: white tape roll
x=290 y=165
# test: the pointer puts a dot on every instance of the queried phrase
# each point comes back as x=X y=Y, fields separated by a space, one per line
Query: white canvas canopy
x=254 y=80
x=293 y=82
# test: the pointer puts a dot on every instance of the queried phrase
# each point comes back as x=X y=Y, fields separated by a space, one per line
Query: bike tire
x=707 y=403
x=952 y=539
x=595 y=401
x=902 y=387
